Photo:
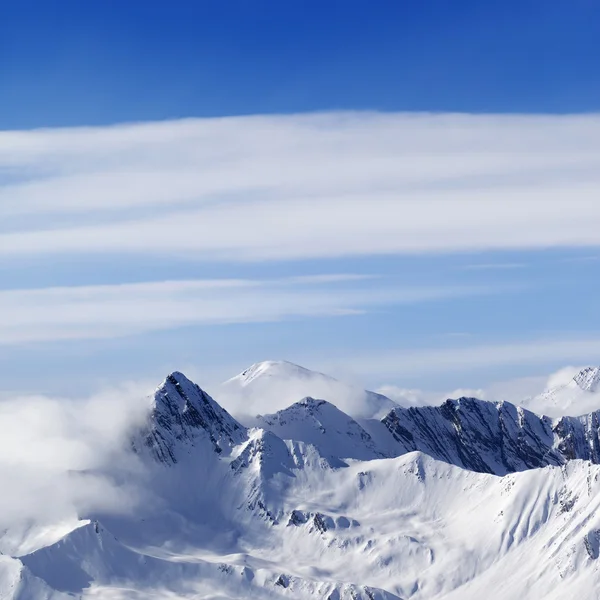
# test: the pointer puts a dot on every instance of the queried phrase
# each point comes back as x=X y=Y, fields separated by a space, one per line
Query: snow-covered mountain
x=182 y=414
x=466 y=500
x=496 y=438
x=319 y=423
x=580 y=395
x=281 y=383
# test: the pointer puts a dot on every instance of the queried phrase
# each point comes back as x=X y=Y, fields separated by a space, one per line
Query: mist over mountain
x=270 y=383
x=172 y=496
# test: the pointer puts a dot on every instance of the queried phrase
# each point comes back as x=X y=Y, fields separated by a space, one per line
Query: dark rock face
x=496 y=438
x=493 y=438
x=183 y=414
x=588 y=379
x=578 y=437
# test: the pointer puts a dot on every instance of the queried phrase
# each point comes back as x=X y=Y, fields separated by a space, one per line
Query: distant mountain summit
x=588 y=379
x=580 y=395
x=278 y=384
x=277 y=369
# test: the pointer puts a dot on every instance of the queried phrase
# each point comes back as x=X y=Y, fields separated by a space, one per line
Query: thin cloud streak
x=294 y=187
x=434 y=361
x=338 y=227
x=493 y=267
x=109 y=311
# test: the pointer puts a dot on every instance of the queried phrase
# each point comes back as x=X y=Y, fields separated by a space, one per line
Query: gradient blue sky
x=436 y=313
x=74 y=63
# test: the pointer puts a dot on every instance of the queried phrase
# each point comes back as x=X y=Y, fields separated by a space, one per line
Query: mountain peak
x=277 y=384
x=275 y=368
x=176 y=381
x=183 y=414
x=308 y=406
x=313 y=403
x=588 y=379
x=569 y=394
x=323 y=425
x=178 y=376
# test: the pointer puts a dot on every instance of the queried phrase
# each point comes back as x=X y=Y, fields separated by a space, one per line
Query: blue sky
x=321 y=220
x=77 y=63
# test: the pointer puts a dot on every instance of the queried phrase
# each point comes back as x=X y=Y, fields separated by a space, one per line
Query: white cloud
x=562 y=376
x=274 y=394
x=410 y=397
x=429 y=363
x=493 y=266
x=513 y=390
x=106 y=311
x=525 y=391
x=54 y=454
x=303 y=186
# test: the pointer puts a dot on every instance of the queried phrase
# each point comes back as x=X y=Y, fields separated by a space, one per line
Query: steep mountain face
x=494 y=438
x=476 y=435
x=280 y=383
x=588 y=379
x=17 y=582
x=182 y=414
x=311 y=503
x=578 y=396
x=578 y=437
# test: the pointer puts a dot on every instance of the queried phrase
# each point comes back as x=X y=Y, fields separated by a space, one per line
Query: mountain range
x=464 y=500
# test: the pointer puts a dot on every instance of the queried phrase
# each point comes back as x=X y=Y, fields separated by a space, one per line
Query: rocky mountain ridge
x=310 y=502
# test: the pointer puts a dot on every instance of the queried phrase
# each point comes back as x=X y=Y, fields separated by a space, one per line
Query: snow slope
x=320 y=423
x=462 y=501
x=580 y=395
x=271 y=384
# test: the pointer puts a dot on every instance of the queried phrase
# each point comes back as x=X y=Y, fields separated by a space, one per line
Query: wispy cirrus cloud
x=493 y=266
x=303 y=186
x=108 y=311
x=434 y=361
x=287 y=188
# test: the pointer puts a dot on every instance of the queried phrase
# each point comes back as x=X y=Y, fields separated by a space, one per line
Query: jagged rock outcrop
x=480 y=436
x=588 y=379
x=183 y=414
x=305 y=506
x=579 y=437
x=496 y=438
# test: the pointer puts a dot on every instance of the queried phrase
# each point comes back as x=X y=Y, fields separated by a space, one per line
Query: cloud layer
x=430 y=362
x=283 y=188
x=107 y=311
x=309 y=186
x=54 y=455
